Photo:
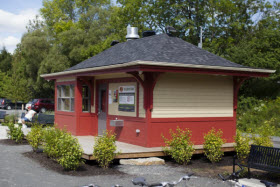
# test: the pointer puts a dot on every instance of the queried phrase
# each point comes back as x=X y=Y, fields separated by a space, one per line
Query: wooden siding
x=113 y=108
x=142 y=112
x=191 y=95
x=112 y=75
x=66 y=79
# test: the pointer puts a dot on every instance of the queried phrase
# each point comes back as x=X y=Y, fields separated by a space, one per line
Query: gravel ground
x=18 y=170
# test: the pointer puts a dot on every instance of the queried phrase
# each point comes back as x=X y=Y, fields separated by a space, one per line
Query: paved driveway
x=17 y=112
x=17 y=170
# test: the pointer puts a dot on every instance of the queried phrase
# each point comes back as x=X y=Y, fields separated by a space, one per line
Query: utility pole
x=200 y=43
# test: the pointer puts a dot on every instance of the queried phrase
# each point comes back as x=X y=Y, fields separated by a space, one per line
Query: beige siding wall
x=191 y=95
x=113 y=108
x=142 y=112
x=66 y=79
x=112 y=75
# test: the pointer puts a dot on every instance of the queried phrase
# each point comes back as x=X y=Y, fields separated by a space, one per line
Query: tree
x=2 y=77
x=261 y=50
x=5 y=60
x=14 y=88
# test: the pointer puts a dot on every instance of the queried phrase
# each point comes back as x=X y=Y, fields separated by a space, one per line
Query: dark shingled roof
x=158 y=48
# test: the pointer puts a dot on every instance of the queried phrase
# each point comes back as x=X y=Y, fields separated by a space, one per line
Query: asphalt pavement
x=17 y=112
x=18 y=170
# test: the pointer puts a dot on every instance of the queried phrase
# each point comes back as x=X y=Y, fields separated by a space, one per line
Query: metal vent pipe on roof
x=132 y=33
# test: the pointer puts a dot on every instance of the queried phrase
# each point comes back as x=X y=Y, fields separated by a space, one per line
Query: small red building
x=141 y=88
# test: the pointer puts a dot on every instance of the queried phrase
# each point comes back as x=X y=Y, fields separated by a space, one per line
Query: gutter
x=152 y=63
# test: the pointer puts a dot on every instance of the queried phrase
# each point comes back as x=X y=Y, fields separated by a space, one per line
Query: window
x=86 y=99
x=65 y=98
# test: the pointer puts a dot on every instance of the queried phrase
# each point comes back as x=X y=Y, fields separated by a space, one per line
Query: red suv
x=42 y=105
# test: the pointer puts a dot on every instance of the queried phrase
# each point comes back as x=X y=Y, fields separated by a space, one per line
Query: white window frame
x=62 y=98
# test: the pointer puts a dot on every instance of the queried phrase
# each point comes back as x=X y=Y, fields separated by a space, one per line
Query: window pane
x=66 y=91
x=65 y=98
x=72 y=105
x=66 y=104
x=59 y=104
x=85 y=91
x=85 y=105
x=59 y=91
x=72 y=90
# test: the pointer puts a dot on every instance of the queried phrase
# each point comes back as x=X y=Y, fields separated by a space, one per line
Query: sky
x=14 y=16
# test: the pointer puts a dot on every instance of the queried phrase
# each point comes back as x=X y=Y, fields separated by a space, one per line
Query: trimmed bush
x=15 y=132
x=104 y=149
x=62 y=147
x=179 y=147
x=213 y=145
x=10 y=118
x=35 y=136
x=242 y=146
x=51 y=141
x=70 y=155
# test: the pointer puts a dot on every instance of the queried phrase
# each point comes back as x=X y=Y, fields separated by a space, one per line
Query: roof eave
x=159 y=64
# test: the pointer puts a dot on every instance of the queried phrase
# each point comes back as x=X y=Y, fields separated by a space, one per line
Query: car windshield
x=35 y=100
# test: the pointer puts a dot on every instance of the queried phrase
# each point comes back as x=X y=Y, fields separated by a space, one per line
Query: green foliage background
x=245 y=32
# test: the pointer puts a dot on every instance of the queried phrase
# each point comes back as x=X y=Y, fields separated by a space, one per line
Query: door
x=102 y=108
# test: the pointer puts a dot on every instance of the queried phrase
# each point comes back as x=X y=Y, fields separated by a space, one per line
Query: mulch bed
x=12 y=142
x=204 y=168
x=198 y=165
x=90 y=168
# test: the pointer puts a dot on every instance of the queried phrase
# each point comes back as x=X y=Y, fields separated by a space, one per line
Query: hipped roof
x=157 y=50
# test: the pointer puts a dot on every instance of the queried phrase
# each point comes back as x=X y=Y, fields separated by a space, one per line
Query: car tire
x=43 y=110
x=9 y=107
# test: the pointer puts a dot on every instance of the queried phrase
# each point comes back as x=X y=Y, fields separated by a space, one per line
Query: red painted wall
x=151 y=129
x=66 y=121
x=127 y=133
x=198 y=127
x=87 y=124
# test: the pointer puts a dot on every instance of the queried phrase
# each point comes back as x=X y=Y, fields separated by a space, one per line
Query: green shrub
x=70 y=155
x=51 y=138
x=179 y=147
x=264 y=132
x=104 y=149
x=257 y=113
x=242 y=146
x=15 y=132
x=10 y=118
x=35 y=136
x=213 y=145
x=247 y=103
x=62 y=147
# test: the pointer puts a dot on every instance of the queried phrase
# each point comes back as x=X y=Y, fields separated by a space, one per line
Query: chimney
x=132 y=33
x=114 y=42
x=148 y=33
